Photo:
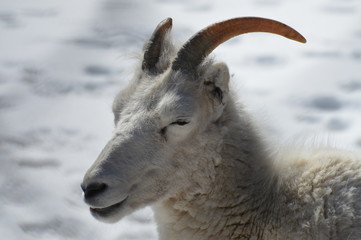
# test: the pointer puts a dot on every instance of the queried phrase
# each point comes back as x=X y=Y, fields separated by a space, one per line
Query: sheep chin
x=113 y=213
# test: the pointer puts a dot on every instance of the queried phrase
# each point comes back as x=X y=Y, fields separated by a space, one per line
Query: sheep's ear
x=158 y=49
x=216 y=79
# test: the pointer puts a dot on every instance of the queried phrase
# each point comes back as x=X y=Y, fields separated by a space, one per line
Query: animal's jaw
x=112 y=213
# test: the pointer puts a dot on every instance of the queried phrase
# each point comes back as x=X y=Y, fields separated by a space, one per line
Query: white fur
x=214 y=178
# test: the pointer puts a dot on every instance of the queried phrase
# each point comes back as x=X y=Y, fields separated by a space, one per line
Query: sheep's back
x=320 y=192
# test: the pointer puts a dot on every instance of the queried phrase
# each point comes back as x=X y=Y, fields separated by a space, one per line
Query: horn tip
x=302 y=39
x=297 y=37
x=168 y=21
x=165 y=25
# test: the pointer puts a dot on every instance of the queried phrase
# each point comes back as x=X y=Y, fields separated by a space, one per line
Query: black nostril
x=93 y=189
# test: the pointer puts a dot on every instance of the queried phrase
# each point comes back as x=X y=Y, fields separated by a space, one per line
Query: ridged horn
x=153 y=49
x=198 y=47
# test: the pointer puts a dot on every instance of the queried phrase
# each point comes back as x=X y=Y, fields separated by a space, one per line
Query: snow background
x=62 y=63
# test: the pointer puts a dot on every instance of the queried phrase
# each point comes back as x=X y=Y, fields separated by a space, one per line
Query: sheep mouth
x=108 y=211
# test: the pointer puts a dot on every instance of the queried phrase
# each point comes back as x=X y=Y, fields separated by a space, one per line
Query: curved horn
x=205 y=41
x=153 y=48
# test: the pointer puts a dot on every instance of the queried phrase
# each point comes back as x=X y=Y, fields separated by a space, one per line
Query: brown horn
x=205 y=41
x=153 y=48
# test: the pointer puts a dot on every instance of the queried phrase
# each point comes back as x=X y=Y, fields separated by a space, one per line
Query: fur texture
x=182 y=145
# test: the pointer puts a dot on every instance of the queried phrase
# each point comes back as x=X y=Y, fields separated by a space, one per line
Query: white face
x=149 y=158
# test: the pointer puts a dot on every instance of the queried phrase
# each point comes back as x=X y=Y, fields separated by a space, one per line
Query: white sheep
x=182 y=145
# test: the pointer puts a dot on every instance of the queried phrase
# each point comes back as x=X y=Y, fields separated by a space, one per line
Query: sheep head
x=167 y=121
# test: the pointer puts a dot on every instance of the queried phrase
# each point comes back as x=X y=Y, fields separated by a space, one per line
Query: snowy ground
x=61 y=64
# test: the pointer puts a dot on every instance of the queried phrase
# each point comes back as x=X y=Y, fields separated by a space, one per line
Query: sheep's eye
x=180 y=122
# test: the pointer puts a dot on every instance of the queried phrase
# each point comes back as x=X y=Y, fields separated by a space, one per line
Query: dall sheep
x=183 y=146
